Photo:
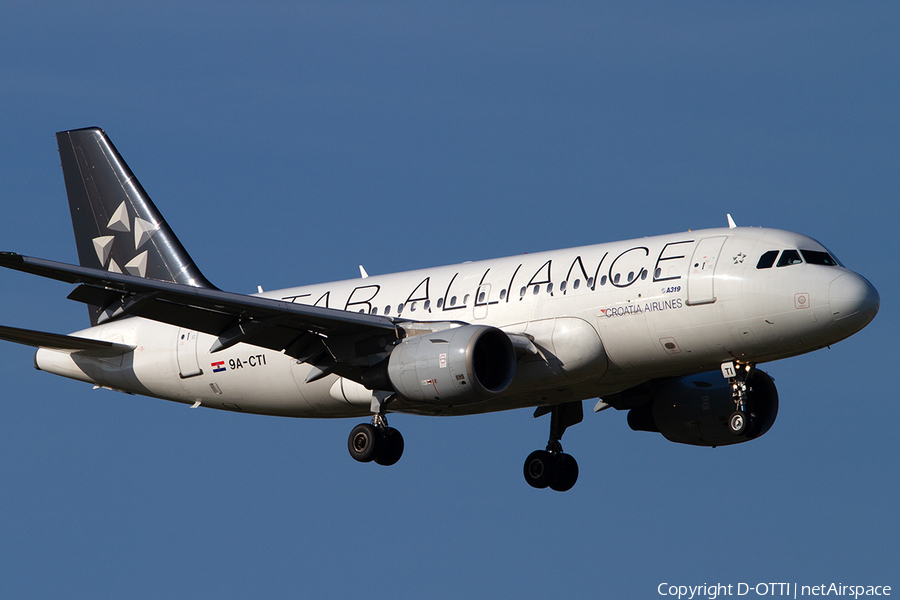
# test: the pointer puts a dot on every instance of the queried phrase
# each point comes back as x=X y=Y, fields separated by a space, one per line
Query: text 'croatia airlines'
x=670 y=328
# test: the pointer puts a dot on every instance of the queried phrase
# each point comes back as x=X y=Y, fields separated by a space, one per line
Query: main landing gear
x=552 y=467
x=738 y=375
x=376 y=442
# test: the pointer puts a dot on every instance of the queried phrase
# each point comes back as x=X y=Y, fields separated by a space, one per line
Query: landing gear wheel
x=567 y=473
x=365 y=442
x=552 y=467
x=540 y=469
x=737 y=423
x=391 y=447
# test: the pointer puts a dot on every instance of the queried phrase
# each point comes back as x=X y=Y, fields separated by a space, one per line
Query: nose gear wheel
x=741 y=418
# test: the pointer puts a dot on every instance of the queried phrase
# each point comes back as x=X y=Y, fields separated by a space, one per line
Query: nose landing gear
x=552 y=467
x=738 y=375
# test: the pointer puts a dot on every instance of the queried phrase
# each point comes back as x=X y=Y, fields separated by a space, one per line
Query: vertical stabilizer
x=117 y=227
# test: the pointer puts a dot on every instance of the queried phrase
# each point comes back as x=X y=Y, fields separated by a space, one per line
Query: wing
x=334 y=341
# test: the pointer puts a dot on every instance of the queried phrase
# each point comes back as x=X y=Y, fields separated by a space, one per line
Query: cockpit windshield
x=793 y=257
x=789 y=257
x=767 y=259
x=815 y=257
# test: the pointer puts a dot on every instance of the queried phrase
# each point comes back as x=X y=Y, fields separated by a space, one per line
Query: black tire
x=738 y=422
x=364 y=442
x=540 y=469
x=391 y=448
x=567 y=473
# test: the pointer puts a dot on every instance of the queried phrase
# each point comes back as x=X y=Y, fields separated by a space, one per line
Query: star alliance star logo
x=739 y=258
x=120 y=226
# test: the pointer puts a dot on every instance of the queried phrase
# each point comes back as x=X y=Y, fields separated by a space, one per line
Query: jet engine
x=696 y=409
x=460 y=365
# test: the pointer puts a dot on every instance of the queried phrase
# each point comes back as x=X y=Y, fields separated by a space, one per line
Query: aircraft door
x=701 y=276
x=188 y=364
x=482 y=300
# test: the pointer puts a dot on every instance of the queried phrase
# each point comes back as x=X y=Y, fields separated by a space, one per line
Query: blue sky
x=286 y=143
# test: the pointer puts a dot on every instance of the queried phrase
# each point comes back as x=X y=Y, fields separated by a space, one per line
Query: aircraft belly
x=531 y=396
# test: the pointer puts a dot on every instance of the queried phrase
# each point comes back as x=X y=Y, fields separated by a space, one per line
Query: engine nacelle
x=461 y=365
x=695 y=409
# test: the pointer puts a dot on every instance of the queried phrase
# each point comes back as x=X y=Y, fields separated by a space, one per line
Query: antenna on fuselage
x=731 y=223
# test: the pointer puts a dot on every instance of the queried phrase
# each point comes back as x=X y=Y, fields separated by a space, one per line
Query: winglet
x=731 y=223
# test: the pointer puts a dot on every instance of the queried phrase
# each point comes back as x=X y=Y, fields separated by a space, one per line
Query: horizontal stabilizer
x=55 y=341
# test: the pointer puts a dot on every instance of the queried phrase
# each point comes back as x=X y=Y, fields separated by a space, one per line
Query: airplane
x=670 y=328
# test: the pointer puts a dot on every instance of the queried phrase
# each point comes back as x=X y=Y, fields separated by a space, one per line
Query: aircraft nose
x=854 y=302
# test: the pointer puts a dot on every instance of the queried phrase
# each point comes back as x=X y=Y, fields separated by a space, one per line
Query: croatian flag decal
x=218 y=367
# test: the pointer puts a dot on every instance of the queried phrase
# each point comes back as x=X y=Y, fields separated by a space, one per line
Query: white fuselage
x=604 y=318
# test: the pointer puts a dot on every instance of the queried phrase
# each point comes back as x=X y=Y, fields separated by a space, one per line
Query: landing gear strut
x=552 y=467
x=376 y=441
x=738 y=375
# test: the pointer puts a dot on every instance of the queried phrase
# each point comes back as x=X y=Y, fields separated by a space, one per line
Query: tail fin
x=117 y=227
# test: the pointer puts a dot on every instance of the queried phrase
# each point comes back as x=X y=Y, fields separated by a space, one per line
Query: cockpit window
x=767 y=259
x=814 y=257
x=789 y=257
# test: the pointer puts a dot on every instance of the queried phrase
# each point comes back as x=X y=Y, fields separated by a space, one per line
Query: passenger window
x=789 y=257
x=815 y=257
x=562 y=286
x=427 y=305
x=387 y=309
x=767 y=259
x=576 y=284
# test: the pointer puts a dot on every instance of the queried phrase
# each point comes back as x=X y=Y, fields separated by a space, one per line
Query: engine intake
x=461 y=365
x=695 y=409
